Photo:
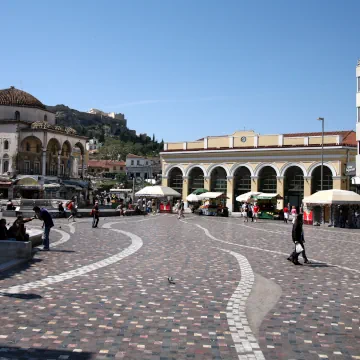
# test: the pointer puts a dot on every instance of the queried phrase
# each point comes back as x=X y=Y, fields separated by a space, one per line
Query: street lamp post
x=322 y=151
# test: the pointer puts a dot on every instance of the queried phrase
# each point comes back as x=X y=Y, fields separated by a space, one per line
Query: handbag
x=298 y=248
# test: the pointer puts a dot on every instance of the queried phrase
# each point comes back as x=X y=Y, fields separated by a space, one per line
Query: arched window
x=45 y=118
x=6 y=145
x=17 y=115
x=27 y=146
x=5 y=166
x=38 y=148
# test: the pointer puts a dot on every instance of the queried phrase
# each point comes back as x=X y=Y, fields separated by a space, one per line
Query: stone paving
x=111 y=298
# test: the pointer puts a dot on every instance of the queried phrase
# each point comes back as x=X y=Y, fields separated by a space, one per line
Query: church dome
x=16 y=97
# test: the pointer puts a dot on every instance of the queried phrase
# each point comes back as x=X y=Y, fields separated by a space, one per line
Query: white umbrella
x=333 y=197
x=193 y=197
x=157 y=191
x=247 y=196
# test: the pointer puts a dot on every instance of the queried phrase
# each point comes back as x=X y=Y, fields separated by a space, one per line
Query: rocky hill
x=92 y=124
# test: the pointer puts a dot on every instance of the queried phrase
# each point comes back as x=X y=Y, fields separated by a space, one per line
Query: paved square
x=104 y=294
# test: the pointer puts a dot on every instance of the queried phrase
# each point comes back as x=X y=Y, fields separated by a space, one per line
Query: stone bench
x=11 y=250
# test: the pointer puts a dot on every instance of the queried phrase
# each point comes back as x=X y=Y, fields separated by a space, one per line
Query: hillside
x=119 y=138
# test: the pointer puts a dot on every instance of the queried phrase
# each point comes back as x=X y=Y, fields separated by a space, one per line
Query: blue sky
x=188 y=69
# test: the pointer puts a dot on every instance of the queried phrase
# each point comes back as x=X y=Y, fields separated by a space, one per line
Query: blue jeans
x=46 y=233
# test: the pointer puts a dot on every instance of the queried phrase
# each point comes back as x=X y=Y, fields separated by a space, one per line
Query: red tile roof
x=134 y=156
x=16 y=97
x=348 y=136
x=105 y=163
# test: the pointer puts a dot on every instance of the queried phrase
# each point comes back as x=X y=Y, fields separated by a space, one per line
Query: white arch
x=236 y=166
x=213 y=166
x=328 y=165
x=170 y=167
x=289 y=165
x=193 y=166
x=261 y=166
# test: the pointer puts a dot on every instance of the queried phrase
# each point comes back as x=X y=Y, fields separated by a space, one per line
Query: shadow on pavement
x=318 y=265
x=9 y=352
x=22 y=296
x=18 y=269
x=62 y=251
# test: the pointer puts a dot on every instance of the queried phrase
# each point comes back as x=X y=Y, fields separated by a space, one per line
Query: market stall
x=267 y=203
x=214 y=204
x=338 y=207
x=163 y=196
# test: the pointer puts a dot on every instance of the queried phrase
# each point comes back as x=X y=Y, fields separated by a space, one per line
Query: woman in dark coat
x=298 y=237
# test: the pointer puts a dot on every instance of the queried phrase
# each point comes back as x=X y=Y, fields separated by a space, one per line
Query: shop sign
x=350 y=169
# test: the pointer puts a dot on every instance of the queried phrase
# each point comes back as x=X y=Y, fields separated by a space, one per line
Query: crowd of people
x=250 y=211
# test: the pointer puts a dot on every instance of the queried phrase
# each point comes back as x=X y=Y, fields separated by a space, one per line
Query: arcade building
x=286 y=164
x=38 y=158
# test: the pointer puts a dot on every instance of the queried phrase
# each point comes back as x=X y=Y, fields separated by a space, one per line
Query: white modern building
x=93 y=144
x=138 y=167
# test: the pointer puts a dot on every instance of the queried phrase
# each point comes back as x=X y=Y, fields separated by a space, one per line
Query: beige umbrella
x=333 y=197
x=157 y=192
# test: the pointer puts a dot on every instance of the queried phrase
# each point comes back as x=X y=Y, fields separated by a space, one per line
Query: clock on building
x=243 y=139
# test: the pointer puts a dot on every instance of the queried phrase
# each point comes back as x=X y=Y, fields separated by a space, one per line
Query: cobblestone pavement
x=104 y=293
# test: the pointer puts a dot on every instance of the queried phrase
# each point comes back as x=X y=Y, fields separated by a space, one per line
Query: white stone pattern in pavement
x=270 y=251
x=246 y=344
x=64 y=236
x=136 y=244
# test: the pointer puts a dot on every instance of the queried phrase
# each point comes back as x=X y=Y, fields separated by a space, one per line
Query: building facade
x=356 y=180
x=287 y=164
x=99 y=167
x=34 y=150
x=138 y=167
x=93 y=144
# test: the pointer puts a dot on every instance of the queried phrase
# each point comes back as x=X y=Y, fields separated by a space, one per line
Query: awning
x=268 y=196
x=5 y=184
x=213 y=195
x=355 y=180
x=51 y=186
x=27 y=181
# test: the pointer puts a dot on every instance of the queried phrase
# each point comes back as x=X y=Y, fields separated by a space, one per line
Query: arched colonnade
x=51 y=157
x=292 y=181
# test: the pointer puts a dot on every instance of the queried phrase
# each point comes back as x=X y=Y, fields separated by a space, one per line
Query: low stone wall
x=55 y=213
x=11 y=250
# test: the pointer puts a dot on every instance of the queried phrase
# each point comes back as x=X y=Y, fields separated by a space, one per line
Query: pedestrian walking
x=180 y=209
x=48 y=223
x=255 y=212
x=286 y=214
x=95 y=214
x=250 y=213
x=148 y=206
x=72 y=208
x=293 y=214
x=244 y=211
x=153 y=207
x=61 y=209
x=299 y=241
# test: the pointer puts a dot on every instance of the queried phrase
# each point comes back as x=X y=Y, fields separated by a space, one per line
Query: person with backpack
x=298 y=239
